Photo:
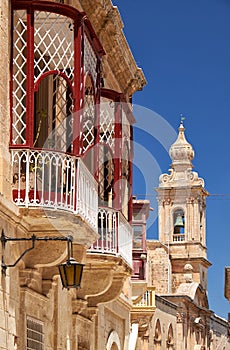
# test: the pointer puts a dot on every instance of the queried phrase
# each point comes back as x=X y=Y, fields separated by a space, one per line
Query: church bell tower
x=182 y=215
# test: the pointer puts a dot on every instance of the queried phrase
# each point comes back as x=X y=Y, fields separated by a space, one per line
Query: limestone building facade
x=67 y=80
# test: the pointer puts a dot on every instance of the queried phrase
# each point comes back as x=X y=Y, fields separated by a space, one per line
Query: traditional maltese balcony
x=115 y=235
x=143 y=310
x=145 y=302
x=60 y=188
x=109 y=260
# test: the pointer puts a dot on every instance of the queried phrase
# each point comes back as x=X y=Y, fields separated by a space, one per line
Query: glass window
x=137 y=237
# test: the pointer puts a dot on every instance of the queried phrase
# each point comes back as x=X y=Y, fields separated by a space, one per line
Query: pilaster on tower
x=182 y=212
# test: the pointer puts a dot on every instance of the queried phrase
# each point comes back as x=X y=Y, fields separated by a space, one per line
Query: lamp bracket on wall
x=70 y=271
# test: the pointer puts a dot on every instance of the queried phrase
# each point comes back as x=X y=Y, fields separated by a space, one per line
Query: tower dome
x=180 y=172
x=181 y=152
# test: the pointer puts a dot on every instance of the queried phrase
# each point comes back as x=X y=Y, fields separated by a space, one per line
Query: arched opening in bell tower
x=178 y=225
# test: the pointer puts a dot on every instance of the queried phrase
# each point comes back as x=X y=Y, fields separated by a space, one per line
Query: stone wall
x=159 y=267
x=113 y=317
x=219 y=333
x=164 y=322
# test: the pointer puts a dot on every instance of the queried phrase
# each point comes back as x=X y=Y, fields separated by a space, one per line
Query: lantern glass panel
x=71 y=273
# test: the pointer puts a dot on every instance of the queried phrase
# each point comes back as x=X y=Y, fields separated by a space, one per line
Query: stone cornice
x=187 y=301
x=199 y=259
x=108 y=25
x=162 y=300
x=153 y=244
x=218 y=319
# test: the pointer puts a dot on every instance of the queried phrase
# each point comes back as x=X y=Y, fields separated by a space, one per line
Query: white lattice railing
x=115 y=234
x=54 y=180
x=147 y=300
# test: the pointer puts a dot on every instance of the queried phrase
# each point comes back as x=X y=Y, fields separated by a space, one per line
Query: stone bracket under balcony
x=143 y=310
x=103 y=278
x=57 y=222
x=81 y=309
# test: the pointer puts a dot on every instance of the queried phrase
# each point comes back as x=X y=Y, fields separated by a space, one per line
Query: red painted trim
x=97 y=121
x=120 y=105
x=22 y=147
x=65 y=10
x=30 y=79
x=112 y=94
x=62 y=9
x=11 y=106
x=82 y=90
x=119 y=97
x=117 y=157
x=92 y=36
x=126 y=145
x=53 y=72
x=82 y=23
x=11 y=81
x=78 y=66
x=129 y=114
x=131 y=154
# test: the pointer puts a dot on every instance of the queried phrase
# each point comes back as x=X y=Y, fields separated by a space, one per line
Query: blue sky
x=183 y=47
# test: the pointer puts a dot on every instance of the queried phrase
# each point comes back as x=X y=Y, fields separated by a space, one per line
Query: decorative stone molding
x=103 y=279
x=180 y=317
x=166 y=178
x=108 y=25
x=81 y=309
x=111 y=293
x=180 y=173
x=31 y=278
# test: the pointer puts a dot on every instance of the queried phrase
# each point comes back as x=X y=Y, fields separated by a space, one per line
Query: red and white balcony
x=71 y=139
x=54 y=180
x=115 y=235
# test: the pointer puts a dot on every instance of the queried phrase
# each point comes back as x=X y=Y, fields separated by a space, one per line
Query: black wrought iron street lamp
x=70 y=271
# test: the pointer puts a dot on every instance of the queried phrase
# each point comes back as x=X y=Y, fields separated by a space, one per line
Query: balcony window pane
x=19 y=77
x=137 y=237
x=53 y=43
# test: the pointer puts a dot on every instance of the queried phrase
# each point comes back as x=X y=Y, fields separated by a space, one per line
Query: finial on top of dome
x=182 y=118
x=181 y=152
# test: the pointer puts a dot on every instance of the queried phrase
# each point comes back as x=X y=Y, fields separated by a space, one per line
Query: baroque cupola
x=181 y=152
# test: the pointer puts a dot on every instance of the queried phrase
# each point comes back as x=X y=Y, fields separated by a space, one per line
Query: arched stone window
x=170 y=341
x=113 y=342
x=178 y=225
x=157 y=335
